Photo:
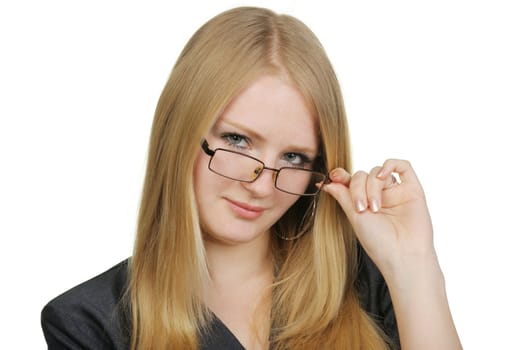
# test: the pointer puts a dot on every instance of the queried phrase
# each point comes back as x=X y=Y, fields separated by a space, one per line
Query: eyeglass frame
x=211 y=152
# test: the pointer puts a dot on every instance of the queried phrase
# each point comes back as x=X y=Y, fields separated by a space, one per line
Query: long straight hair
x=168 y=268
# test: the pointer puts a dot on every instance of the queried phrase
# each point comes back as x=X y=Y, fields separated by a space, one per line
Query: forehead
x=274 y=108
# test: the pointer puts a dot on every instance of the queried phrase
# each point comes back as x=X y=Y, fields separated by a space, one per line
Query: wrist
x=415 y=272
x=417 y=288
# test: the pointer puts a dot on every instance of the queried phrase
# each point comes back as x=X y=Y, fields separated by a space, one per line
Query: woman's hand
x=391 y=220
x=390 y=217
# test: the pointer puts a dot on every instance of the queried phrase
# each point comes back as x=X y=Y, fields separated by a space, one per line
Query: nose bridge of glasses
x=258 y=170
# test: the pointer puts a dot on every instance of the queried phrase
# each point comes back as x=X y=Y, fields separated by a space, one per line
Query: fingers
x=339 y=189
x=359 y=191
x=367 y=189
x=374 y=187
x=371 y=190
x=341 y=176
x=401 y=167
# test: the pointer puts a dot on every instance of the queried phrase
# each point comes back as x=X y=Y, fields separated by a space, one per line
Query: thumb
x=342 y=194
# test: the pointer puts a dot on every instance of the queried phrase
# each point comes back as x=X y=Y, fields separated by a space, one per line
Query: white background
x=440 y=83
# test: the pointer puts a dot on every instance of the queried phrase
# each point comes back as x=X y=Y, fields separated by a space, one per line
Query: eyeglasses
x=241 y=167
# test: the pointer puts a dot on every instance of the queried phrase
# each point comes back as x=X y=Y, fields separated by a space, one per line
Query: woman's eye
x=235 y=140
x=297 y=159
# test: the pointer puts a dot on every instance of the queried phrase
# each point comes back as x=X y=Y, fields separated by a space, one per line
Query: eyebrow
x=255 y=135
x=252 y=133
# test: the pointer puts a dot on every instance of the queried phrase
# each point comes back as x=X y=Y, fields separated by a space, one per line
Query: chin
x=234 y=237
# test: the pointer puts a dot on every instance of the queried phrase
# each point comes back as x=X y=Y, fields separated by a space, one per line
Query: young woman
x=253 y=234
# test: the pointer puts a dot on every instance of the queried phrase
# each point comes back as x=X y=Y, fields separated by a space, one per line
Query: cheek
x=284 y=202
x=200 y=175
x=207 y=185
x=200 y=171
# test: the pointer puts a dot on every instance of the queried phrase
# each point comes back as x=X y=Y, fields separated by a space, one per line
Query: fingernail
x=334 y=174
x=374 y=206
x=380 y=173
x=360 y=205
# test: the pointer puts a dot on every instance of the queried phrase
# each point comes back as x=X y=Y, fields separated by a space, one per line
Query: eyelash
x=304 y=158
x=227 y=138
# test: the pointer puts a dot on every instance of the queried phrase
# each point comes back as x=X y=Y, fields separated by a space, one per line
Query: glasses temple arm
x=204 y=146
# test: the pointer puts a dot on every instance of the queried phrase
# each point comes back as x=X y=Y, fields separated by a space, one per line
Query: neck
x=238 y=262
x=239 y=293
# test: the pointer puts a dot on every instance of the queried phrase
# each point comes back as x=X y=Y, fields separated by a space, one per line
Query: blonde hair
x=168 y=266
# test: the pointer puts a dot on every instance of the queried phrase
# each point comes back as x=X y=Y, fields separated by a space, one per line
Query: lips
x=244 y=210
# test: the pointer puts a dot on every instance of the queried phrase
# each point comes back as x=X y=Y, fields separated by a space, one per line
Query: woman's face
x=271 y=121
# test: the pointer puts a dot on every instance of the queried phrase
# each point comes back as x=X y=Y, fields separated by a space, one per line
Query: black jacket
x=90 y=316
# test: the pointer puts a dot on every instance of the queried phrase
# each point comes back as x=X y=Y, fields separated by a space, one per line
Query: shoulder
x=374 y=296
x=90 y=315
